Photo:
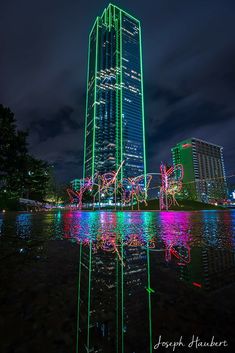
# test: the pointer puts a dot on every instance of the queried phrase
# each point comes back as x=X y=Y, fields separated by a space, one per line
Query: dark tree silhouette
x=21 y=175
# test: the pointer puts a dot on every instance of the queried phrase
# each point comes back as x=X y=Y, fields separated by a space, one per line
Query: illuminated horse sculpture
x=171 y=185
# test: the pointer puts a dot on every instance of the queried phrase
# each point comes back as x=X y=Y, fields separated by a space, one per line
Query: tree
x=21 y=175
x=13 y=153
x=56 y=193
x=36 y=179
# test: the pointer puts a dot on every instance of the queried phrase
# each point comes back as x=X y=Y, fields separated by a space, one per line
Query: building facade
x=76 y=184
x=204 y=174
x=114 y=123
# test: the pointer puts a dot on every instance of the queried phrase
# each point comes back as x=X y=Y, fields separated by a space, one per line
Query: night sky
x=189 y=73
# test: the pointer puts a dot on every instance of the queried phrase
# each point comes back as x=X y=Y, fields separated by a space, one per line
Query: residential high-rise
x=204 y=174
x=114 y=124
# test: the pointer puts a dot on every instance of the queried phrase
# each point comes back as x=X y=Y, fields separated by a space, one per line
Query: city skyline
x=188 y=88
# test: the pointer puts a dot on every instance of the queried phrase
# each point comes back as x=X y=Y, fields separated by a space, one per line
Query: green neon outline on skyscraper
x=143 y=116
x=89 y=296
x=78 y=298
x=128 y=116
x=95 y=102
x=88 y=66
x=121 y=107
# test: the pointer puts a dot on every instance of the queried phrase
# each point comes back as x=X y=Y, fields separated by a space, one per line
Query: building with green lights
x=114 y=122
x=204 y=174
x=76 y=184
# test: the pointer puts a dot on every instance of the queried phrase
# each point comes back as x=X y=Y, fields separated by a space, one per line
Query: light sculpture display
x=77 y=196
x=171 y=184
x=130 y=190
x=135 y=189
x=108 y=186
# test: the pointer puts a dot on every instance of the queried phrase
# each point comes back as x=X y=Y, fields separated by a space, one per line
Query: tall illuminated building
x=204 y=173
x=114 y=123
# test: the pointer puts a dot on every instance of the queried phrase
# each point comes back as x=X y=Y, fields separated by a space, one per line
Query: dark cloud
x=189 y=70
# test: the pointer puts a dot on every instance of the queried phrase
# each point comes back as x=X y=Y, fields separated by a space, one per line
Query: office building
x=114 y=123
x=76 y=184
x=204 y=174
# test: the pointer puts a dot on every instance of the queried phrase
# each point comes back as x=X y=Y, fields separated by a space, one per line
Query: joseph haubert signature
x=195 y=342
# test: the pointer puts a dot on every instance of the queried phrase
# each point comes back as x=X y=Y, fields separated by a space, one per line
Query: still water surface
x=132 y=277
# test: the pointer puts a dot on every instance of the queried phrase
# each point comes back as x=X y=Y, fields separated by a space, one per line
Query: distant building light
x=186 y=145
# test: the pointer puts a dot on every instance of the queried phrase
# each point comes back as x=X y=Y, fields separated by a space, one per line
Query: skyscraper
x=114 y=124
x=204 y=174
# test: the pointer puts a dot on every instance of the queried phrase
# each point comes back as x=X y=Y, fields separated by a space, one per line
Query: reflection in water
x=1 y=224
x=23 y=225
x=125 y=258
x=115 y=293
x=113 y=297
x=212 y=264
x=176 y=236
